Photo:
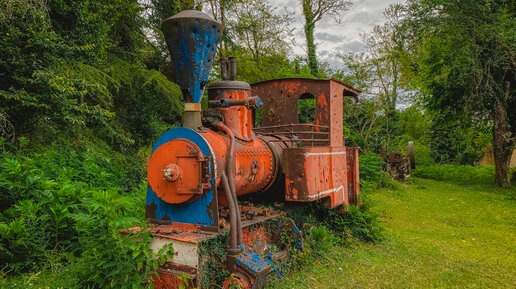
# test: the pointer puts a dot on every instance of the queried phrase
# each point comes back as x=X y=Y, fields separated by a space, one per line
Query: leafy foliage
x=213 y=252
x=454 y=141
x=68 y=204
x=458 y=173
x=257 y=34
x=60 y=75
x=362 y=224
x=462 y=54
x=363 y=123
x=372 y=175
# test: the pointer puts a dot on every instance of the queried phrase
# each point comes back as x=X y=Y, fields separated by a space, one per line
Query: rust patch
x=150 y=211
x=281 y=96
x=168 y=276
x=256 y=238
x=316 y=173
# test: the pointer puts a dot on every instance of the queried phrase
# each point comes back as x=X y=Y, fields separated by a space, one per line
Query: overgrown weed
x=61 y=209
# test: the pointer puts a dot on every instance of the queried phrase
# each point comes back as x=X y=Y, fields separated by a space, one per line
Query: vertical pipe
x=224 y=68
x=233 y=214
x=232 y=67
x=230 y=167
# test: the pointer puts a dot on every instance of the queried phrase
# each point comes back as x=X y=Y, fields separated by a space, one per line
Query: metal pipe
x=233 y=215
x=239 y=220
x=224 y=68
x=250 y=103
x=230 y=167
x=224 y=103
x=232 y=67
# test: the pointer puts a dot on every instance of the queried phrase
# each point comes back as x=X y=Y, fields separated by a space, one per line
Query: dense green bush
x=68 y=204
x=74 y=66
x=360 y=222
x=458 y=173
x=423 y=154
x=372 y=175
x=457 y=139
x=325 y=229
x=320 y=239
x=371 y=166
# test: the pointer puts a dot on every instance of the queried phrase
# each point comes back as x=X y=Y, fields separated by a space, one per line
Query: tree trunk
x=225 y=32
x=503 y=146
x=309 y=33
x=312 y=57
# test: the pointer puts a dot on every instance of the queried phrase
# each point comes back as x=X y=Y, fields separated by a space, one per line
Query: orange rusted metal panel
x=317 y=173
x=280 y=99
x=253 y=237
x=353 y=175
x=168 y=281
x=321 y=168
x=175 y=276
x=335 y=113
x=238 y=118
x=183 y=160
x=254 y=168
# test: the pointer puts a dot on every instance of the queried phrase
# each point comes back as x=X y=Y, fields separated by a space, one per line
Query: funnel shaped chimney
x=192 y=38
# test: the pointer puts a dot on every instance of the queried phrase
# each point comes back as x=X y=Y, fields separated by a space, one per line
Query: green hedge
x=458 y=173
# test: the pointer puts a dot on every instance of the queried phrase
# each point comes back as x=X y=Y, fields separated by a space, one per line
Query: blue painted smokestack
x=192 y=38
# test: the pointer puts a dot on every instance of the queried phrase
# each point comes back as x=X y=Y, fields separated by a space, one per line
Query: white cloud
x=328 y=37
x=333 y=38
x=354 y=46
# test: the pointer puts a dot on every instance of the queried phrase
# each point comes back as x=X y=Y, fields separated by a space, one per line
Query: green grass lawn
x=437 y=235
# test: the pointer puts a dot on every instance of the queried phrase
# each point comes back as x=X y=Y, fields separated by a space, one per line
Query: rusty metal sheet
x=168 y=276
x=317 y=173
x=256 y=238
x=353 y=178
x=254 y=163
x=280 y=99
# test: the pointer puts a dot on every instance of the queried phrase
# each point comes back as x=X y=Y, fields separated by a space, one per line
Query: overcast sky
x=332 y=38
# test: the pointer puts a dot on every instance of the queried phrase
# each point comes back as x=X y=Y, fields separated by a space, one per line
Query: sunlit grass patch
x=437 y=235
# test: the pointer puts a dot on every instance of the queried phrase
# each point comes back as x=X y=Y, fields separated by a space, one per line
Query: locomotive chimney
x=192 y=38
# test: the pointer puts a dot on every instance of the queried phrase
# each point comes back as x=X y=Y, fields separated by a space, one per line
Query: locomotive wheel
x=411 y=155
x=237 y=280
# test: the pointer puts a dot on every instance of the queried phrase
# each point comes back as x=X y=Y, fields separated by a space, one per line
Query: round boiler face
x=175 y=171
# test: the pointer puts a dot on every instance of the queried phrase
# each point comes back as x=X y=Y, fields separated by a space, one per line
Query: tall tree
x=463 y=54
x=385 y=46
x=363 y=118
x=256 y=33
x=314 y=11
x=378 y=73
x=219 y=11
x=257 y=27
x=162 y=9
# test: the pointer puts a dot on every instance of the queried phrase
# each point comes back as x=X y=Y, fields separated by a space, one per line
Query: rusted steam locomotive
x=197 y=172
